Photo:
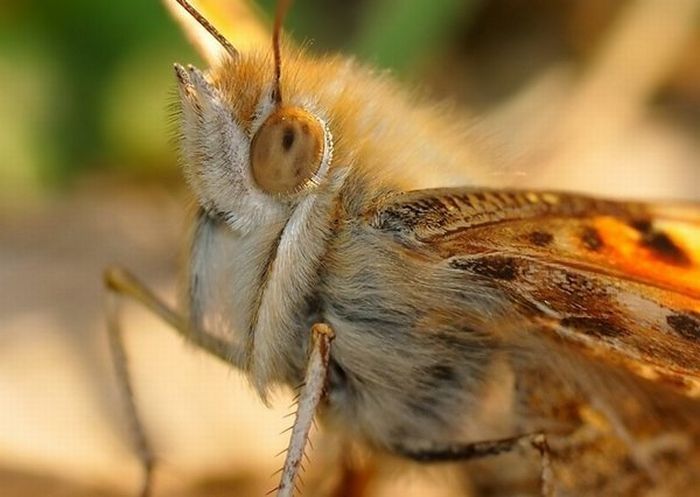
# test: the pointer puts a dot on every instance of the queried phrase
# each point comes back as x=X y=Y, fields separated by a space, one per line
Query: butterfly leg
x=457 y=452
x=311 y=394
x=119 y=283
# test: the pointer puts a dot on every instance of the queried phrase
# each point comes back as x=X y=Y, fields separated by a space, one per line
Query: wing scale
x=618 y=280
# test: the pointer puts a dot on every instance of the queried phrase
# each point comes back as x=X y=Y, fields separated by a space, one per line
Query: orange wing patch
x=620 y=281
x=665 y=252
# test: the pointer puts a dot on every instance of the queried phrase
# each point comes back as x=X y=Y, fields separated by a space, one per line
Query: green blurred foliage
x=88 y=85
x=391 y=37
x=65 y=65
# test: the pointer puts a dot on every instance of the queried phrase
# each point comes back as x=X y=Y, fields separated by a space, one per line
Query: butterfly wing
x=238 y=20
x=619 y=281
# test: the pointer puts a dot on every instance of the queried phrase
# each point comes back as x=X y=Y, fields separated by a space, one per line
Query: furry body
x=428 y=293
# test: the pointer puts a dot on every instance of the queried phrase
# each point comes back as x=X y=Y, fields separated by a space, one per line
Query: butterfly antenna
x=230 y=49
x=280 y=14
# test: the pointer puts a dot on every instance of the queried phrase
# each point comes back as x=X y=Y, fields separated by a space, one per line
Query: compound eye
x=287 y=151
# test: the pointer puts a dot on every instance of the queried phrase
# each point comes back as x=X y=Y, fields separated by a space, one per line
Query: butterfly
x=326 y=252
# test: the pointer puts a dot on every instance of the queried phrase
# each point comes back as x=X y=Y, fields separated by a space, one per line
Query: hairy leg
x=311 y=394
x=120 y=284
x=487 y=448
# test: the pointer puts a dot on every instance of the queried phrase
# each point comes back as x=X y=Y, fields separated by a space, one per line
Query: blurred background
x=594 y=95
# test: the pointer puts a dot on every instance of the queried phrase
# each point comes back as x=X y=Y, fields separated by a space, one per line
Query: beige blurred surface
x=61 y=416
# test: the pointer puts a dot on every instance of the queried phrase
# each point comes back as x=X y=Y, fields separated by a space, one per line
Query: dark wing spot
x=288 y=138
x=414 y=215
x=540 y=238
x=495 y=267
x=641 y=225
x=663 y=246
x=686 y=325
x=596 y=327
x=660 y=243
x=591 y=239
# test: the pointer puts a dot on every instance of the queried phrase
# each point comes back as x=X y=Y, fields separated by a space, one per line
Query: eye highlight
x=288 y=151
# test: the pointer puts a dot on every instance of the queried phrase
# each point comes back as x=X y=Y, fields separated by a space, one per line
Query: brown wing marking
x=653 y=332
x=619 y=280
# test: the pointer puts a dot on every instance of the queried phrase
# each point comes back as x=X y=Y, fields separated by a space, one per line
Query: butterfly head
x=251 y=148
x=264 y=129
